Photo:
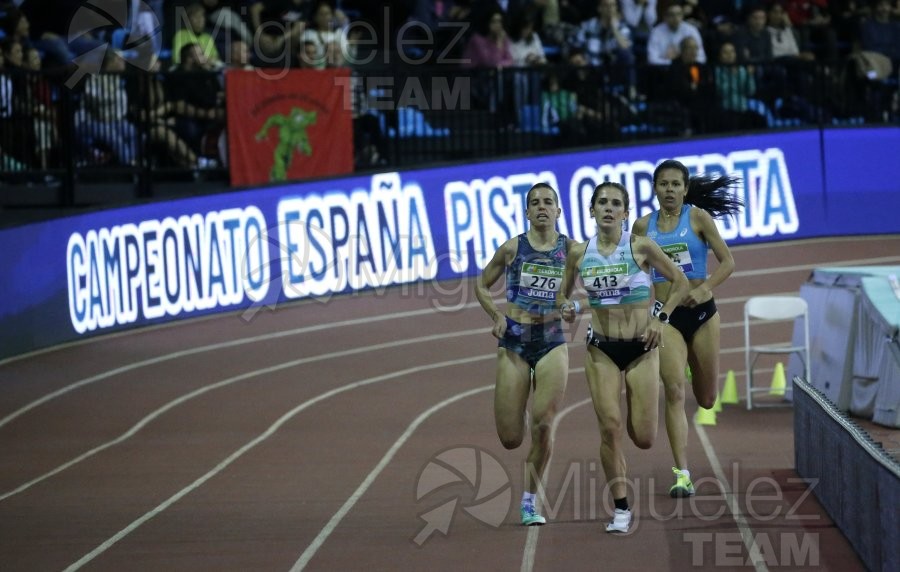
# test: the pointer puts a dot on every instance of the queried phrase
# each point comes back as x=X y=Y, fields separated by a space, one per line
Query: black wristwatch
x=663 y=317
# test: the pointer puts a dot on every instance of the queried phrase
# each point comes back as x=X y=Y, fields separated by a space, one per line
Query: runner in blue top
x=532 y=348
x=614 y=270
x=685 y=229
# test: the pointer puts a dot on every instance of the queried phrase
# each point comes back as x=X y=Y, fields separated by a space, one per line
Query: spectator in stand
x=223 y=14
x=327 y=33
x=308 y=57
x=489 y=46
x=527 y=50
x=239 y=56
x=785 y=42
x=880 y=34
x=641 y=16
x=559 y=108
x=194 y=31
x=812 y=20
x=101 y=122
x=42 y=108
x=277 y=26
x=593 y=108
x=198 y=103
x=752 y=40
x=157 y=114
x=22 y=122
x=735 y=86
x=690 y=87
x=606 y=39
x=526 y=47
x=695 y=14
x=54 y=30
x=10 y=126
x=665 y=39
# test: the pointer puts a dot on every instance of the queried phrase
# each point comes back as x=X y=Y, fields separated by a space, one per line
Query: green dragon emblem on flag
x=292 y=137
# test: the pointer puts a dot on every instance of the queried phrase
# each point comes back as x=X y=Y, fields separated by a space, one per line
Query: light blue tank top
x=682 y=245
x=534 y=277
x=614 y=279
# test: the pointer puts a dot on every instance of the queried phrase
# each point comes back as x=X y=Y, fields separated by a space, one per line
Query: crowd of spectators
x=681 y=57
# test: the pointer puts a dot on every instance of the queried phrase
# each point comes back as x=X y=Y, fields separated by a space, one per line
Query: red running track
x=316 y=437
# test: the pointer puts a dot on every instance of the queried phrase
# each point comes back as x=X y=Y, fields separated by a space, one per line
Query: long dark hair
x=712 y=194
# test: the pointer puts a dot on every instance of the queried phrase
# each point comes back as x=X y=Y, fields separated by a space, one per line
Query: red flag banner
x=295 y=126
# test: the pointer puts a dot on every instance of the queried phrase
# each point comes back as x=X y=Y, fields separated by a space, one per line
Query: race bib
x=539 y=282
x=680 y=255
x=606 y=282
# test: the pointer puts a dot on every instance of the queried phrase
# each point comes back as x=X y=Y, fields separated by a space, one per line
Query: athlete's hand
x=652 y=336
x=499 y=329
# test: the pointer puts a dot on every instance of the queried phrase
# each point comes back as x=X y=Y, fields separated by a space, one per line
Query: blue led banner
x=128 y=267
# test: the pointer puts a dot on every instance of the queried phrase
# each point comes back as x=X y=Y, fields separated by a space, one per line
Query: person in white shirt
x=663 y=45
x=640 y=15
x=526 y=46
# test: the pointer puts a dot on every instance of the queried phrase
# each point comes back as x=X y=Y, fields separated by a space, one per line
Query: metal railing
x=141 y=129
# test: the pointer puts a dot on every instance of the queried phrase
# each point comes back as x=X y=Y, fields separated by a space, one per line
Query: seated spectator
x=735 y=86
x=328 y=37
x=526 y=47
x=56 y=32
x=8 y=126
x=42 y=108
x=880 y=34
x=102 y=121
x=221 y=15
x=489 y=46
x=527 y=50
x=559 y=108
x=785 y=43
x=198 y=103
x=688 y=88
x=665 y=40
x=606 y=40
x=752 y=40
x=194 y=31
x=20 y=105
x=277 y=26
x=595 y=110
x=812 y=20
x=640 y=15
x=239 y=56
x=308 y=57
x=157 y=115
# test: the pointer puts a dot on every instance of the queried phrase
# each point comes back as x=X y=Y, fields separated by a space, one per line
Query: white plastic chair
x=770 y=309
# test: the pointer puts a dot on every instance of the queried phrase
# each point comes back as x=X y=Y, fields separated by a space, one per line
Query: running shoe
x=683 y=486
x=530 y=517
x=621 y=521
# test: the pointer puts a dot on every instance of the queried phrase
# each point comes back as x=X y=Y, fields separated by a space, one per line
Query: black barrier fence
x=143 y=128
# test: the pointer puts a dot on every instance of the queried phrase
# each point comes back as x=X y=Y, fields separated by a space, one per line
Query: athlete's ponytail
x=711 y=194
x=714 y=195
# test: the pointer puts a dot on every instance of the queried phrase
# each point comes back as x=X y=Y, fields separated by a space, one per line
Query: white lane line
x=326 y=531
x=795 y=267
x=214 y=347
x=262 y=437
x=807 y=241
x=759 y=563
x=207 y=388
x=534 y=531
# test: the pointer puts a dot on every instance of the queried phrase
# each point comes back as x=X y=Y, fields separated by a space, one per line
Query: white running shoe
x=621 y=521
